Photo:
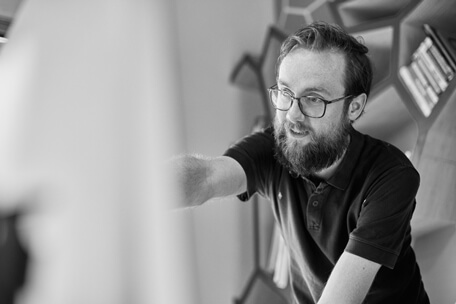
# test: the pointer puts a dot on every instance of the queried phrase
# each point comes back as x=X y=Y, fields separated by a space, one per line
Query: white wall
x=436 y=254
x=213 y=36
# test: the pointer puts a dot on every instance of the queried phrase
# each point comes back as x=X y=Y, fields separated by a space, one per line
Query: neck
x=326 y=173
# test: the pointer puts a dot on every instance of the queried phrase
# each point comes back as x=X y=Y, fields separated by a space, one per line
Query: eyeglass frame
x=326 y=102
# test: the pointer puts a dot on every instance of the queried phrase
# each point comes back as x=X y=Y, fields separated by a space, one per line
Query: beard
x=319 y=153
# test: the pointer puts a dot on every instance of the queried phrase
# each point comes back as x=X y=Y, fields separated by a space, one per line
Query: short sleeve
x=255 y=154
x=384 y=219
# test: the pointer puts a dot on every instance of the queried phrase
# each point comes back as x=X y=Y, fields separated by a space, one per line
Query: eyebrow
x=311 y=89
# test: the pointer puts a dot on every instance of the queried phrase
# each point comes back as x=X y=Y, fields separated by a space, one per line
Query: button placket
x=315 y=205
x=314 y=212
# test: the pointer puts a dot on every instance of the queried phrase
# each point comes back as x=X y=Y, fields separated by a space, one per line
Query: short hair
x=322 y=36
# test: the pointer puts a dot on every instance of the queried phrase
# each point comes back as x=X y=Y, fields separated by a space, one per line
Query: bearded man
x=343 y=200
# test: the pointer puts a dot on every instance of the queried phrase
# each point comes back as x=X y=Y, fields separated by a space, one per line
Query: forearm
x=350 y=280
x=191 y=174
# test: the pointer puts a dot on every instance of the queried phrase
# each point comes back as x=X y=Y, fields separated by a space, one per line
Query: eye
x=312 y=99
x=285 y=93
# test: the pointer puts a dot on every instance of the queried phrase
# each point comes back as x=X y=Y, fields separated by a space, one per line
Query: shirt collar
x=343 y=174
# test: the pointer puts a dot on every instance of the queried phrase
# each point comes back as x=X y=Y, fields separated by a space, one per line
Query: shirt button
x=315 y=203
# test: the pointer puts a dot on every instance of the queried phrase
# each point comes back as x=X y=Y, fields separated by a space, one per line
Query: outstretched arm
x=202 y=178
x=350 y=280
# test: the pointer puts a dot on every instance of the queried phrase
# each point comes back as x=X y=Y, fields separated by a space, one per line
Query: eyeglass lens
x=310 y=106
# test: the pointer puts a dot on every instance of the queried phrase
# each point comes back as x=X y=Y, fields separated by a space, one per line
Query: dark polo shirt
x=364 y=208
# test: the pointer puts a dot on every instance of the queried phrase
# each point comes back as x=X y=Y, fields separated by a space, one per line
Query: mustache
x=300 y=127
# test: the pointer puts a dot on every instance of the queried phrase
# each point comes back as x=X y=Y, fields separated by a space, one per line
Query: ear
x=356 y=107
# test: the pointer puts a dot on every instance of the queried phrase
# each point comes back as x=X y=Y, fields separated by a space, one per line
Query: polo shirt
x=365 y=208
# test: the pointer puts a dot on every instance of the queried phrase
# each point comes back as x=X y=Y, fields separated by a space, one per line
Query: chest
x=315 y=219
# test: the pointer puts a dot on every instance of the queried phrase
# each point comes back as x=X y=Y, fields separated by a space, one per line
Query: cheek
x=334 y=117
x=325 y=126
x=329 y=126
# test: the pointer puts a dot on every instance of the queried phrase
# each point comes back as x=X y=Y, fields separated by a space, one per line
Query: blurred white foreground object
x=88 y=109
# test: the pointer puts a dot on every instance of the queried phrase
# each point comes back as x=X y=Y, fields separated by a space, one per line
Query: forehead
x=304 y=70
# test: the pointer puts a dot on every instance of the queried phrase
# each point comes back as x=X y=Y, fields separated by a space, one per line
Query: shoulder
x=255 y=154
x=381 y=153
x=260 y=142
x=387 y=164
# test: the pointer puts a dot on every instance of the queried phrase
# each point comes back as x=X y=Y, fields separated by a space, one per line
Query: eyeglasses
x=310 y=106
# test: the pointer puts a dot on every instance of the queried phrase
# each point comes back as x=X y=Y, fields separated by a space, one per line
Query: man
x=343 y=200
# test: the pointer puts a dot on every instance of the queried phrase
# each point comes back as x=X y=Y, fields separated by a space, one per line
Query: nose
x=294 y=114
